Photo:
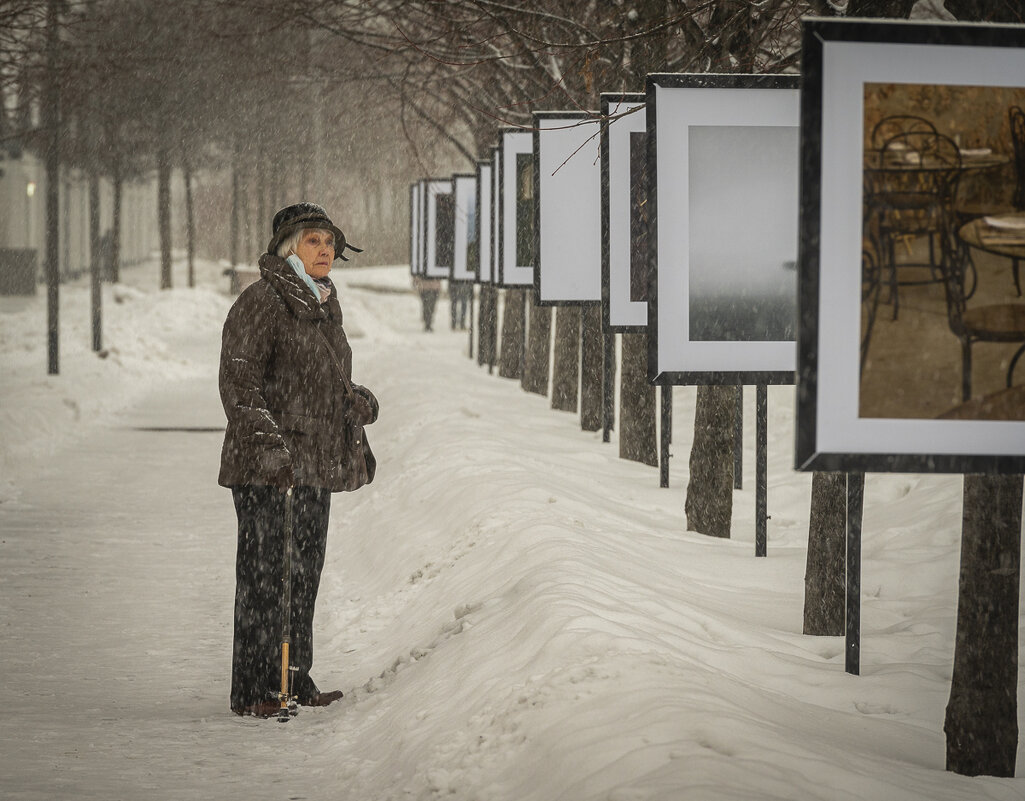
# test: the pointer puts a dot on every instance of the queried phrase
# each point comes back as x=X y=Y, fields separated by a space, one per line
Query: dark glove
x=282 y=478
x=359 y=410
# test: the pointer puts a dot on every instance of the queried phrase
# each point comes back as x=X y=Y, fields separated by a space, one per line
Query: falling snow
x=513 y=612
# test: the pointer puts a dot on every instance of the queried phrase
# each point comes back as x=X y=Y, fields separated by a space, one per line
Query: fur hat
x=306 y=215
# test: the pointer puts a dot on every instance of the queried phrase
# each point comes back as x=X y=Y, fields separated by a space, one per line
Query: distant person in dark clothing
x=428 y=288
x=459 y=294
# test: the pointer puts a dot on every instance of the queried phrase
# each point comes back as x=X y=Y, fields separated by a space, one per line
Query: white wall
x=23 y=216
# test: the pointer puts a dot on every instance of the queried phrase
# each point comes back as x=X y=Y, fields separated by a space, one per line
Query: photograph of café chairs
x=910 y=185
x=902 y=127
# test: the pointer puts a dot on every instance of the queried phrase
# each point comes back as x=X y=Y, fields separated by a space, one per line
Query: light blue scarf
x=300 y=270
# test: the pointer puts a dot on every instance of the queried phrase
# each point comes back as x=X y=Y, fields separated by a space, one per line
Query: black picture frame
x=745 y=340
x=567 y=208
x=421 y=256
x=485 y=215
x=622 y=113
x=414 y=226
x=439 y=224
x=841 y=62
x=515 y=208
x=496 y=212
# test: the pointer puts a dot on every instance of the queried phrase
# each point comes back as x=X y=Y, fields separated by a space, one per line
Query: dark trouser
x=457 y=293
x=428 y=298
x=259 y=573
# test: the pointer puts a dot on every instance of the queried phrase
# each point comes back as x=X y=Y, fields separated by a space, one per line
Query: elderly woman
x=294 y=424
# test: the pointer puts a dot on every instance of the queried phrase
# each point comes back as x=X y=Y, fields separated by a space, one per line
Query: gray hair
x=290 y=242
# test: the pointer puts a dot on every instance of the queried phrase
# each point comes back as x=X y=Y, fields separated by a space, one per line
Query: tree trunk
x=164 y=214
x=566 y=369
x=982 y=713
x=539 y=340
x=233 y=225
x=190 y=224
x=637 y=430
x=592 y=352
x=825 y=573
x=608 y=389
x=114 y=265
x=511 y=362
x=487 y=325
x=709 y=504
x=95 y=260
x=261 y=197
x=52 y=126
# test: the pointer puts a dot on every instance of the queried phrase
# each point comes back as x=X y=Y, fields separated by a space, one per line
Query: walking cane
x=287 y=700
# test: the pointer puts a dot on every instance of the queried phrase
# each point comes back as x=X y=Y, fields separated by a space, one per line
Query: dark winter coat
x=284 y=399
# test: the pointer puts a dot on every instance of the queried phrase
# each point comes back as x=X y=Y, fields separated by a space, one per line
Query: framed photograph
x=421 y=240
x=516 y=208
x=723 y=171
x=467 y=247
x=414 y=222
x=906 y=349
x=567 y=207
x=496 y=212
x=414 y=227
x=624 y=209
x=485 y=219
x=439 y=221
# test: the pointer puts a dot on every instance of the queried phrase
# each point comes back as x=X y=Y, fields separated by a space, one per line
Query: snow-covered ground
x=513 y=612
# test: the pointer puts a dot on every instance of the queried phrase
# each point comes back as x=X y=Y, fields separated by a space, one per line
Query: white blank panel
x=569 y=222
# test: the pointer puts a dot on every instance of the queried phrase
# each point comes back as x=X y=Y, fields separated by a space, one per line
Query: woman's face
x=316 y=248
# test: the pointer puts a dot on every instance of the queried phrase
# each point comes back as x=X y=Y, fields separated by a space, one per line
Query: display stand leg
x=855 y=506
x=469 y=326
x=665 y=431
x=608 y=402
x=761 y=470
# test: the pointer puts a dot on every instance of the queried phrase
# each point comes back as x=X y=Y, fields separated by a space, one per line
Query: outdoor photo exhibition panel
x=415 y=207
x=884 y=387
x=484 y=217
x=440 y=228
x=567 y=210
x=516 y=208
x=421 y=257
x=467 y=250
x=723 y=170
x=496 y=212
x=624 y=208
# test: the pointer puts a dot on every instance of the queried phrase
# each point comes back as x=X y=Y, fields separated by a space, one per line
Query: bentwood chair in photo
x=896 y=124
x=1016 y=117
x=891 y=126
x=995 y=322
x=910 y=186
x=967 y=211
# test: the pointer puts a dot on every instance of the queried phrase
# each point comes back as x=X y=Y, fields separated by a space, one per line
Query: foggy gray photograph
x=743 y=233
